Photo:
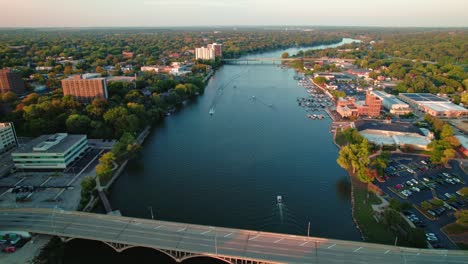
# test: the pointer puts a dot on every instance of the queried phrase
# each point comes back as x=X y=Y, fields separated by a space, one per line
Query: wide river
x=227 y=169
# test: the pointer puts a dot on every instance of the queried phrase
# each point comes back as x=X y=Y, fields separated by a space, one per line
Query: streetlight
x=151 y=211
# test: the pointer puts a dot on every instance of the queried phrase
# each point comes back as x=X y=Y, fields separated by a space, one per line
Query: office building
x=394 y=105
x=349 y=106
x=11 y=81
x=56 y=151
x=433 y=105
x=85 y=87
x=8 y=139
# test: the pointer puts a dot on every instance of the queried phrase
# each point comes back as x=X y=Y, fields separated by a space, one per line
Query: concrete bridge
x=184 y=241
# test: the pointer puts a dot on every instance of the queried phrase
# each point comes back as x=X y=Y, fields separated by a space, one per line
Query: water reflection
x=343 y=189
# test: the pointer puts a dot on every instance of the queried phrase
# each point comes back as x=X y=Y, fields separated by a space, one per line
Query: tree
x=121 y=120
x=78 y=124
x=426 y=205
x=320 y=80
x=448 y=155
x=446 y=132
x=462 y=217
x=285 y=55
x=464 y=191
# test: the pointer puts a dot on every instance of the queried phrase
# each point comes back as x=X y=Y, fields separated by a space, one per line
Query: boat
x=212 y=111
x=279 y=199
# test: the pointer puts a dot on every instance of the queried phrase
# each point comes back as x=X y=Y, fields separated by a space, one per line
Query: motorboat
x=279 y=199
x=212 y=111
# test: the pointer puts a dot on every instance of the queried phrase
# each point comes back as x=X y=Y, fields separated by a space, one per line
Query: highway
x=215 y=241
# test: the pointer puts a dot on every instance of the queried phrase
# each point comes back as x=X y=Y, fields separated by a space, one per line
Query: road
x=215 y=241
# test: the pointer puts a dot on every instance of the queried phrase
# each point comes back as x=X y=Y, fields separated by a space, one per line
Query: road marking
x=303 y=244
x=278 y=240
x=252 y=238
x=158 y=227
x=331 y=246
x=386 y=252
x=48 y=179
x=206 y=232
x=357 y=249
x=228 y=235
x=182 y=229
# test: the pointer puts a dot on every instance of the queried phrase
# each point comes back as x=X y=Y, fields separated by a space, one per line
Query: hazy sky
x=92 y=13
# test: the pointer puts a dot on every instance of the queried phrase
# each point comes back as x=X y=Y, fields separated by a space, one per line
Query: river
x=227 y=169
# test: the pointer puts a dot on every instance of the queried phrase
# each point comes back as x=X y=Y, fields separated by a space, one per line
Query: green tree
x=78 y=124
x=462 y=217
x=320 y=80
x=285 y=55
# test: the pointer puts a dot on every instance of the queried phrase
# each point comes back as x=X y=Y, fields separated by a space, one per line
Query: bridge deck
x=215 y=241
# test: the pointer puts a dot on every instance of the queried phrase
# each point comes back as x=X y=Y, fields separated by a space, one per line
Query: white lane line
x=331 y=246
x=158 y=227
x=182 y=229
x=206 y=232
x=278 y=240
x=357 y=249
x=46 y=181
x=303 y=244
x=386 y=252
x=252 y=238
x=16 y=184
x=228 y=235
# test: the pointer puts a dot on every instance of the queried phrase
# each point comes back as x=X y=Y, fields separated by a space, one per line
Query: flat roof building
x=55 y=151
x=394 y=105
x=11 y=81
x=349 y=106
x=400 y=134
x=85 y=87
x=205 y=53
x=433 y=105
x=8 y=139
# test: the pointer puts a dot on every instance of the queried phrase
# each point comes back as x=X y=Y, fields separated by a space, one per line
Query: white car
x=445 y=174
x=416 y=189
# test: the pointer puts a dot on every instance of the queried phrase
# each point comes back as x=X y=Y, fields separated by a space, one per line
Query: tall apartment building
x=11 y=81
x=218 y=48
x=8 y=139
x=205 y=53
x=210 y=52
x=85 y=88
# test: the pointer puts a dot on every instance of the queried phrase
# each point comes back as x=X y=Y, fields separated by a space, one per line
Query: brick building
x=348 y=106
x=11 y=81
x=85 y=88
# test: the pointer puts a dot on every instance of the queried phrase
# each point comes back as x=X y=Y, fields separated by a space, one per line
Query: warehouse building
x=433 y=105
x=391 y=103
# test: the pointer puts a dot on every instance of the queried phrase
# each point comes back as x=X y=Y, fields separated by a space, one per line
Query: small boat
x=212 y=111
x=279 y=199
x=253 y=97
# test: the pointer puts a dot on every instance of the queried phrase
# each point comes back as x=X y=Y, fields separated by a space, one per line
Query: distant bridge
x=184 y=241
x=274 y=60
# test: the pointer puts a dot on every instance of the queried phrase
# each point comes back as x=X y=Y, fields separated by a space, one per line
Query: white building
x=50 y=151
x=394 y=105
x=205 y=53
x=8 y=138
x=151 y=68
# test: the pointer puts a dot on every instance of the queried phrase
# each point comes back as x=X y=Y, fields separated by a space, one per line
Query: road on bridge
x=215 y=241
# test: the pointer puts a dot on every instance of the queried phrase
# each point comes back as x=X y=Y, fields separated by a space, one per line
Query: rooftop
x=402 y=127
x=463 y=141
x=56 y=143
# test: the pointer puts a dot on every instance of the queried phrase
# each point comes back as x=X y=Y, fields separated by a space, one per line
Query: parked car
x=10 y=249
x=431 y=212
x=409 y=183
x=426 y=180
x=416 y=189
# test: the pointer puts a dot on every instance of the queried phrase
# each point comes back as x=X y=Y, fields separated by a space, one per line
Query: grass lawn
x=373 y=232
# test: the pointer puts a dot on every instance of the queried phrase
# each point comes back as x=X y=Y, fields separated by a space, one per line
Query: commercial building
x=11 y=81
x=8 y=139
x=463 y=144
x=50 y=151
x=394 y=105
x=349 y=106
x=433 y=105
x=399 y=134
x=85 y=87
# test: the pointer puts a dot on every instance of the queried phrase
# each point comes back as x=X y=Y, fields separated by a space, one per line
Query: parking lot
x=414 y=179
x=48 y=188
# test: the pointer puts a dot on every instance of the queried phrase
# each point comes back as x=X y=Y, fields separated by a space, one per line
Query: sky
x=163 y=13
